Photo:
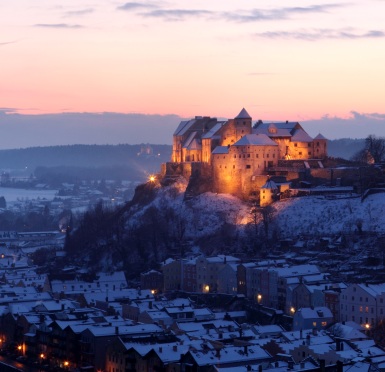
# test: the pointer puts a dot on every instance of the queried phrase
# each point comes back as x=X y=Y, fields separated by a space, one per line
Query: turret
x=242 y=124
x=320 y=147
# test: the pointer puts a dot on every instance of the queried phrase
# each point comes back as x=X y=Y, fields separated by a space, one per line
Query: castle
x=237 y=155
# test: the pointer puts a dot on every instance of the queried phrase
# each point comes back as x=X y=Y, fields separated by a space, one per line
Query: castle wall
x=283 y=145
x=300 y=150
x=177 y=149
x=234 y=130
x=173 y=170
x=237 y=172
x=191 y=155
x=206 y=150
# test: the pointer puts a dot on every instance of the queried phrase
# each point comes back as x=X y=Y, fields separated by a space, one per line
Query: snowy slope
x=207 y=213
x=312 y=215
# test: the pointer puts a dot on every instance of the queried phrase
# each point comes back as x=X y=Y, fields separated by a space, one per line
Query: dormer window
x=272 y=129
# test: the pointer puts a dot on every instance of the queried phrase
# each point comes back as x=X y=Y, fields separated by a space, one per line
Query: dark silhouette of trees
x=374 y=150
x=3 y=203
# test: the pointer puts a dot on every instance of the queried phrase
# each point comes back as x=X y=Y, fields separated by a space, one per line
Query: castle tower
x=268 y=193
x=320 y=146
x=242 y=124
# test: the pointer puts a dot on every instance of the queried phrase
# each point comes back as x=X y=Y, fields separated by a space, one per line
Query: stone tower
x=242 y=124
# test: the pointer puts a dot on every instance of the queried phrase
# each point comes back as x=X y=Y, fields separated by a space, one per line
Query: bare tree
x=373 y=152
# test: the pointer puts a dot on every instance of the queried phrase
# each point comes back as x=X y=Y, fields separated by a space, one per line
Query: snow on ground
x=318 y=215
x=13 y=194
x=207 y=213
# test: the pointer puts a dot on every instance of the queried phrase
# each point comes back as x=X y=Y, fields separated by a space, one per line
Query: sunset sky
x=311 y=61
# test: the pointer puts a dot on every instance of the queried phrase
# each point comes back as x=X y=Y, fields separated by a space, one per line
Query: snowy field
x=13 y=195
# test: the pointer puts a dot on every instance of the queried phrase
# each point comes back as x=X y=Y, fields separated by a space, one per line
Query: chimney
x=245 y=350
x=150 y=304
x=340 y=366
x=290 y=364
x=322 y=365
x=300 y=334
x=308 y=339
x=218 y=353
x=175 y=348
x=116 y=330
x=160 y=349
x=315 y=332
x=338 y=344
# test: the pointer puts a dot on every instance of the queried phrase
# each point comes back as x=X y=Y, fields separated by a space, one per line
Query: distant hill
x=113 y=161
x=345 y=147
x=92 y=161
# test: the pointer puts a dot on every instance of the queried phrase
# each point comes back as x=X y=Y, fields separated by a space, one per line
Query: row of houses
x=64 y=334
x=275 y=284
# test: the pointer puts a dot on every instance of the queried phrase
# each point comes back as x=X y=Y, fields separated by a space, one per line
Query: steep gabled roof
x=270 y=184
x=183 y=126
x=320 y=137
x=191 y=142
x=221 y=150
x=283 y=129
x=213 y=131
x=243 y=115
x=194 y=145
x=300 y=135
x=255 y=140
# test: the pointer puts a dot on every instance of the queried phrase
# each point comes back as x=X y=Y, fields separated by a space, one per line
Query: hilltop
x=159 y=223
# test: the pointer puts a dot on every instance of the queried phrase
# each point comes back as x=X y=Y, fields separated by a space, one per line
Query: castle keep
x=237 y=155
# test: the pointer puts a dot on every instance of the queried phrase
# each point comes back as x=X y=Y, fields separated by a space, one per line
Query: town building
x=363 y=304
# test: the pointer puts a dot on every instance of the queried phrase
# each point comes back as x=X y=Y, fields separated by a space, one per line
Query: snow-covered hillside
x=318 y=215
x=207 y=213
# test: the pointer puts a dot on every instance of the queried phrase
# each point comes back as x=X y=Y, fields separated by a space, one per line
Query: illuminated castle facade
x=238 y=155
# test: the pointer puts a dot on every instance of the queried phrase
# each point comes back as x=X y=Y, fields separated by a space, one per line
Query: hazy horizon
x=22 y=131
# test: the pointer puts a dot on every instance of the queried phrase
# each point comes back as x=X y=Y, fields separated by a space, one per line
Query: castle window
x=248 y=155
x=244 y=155
x=233 y=166
x=248 y=166
x=309 y=144
x=309 y=153
x=300 y=153
x=317 y=143
x=257 y=156
x=273 y=156
x=295 y=144
x=235 y=155
x=267 y=155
